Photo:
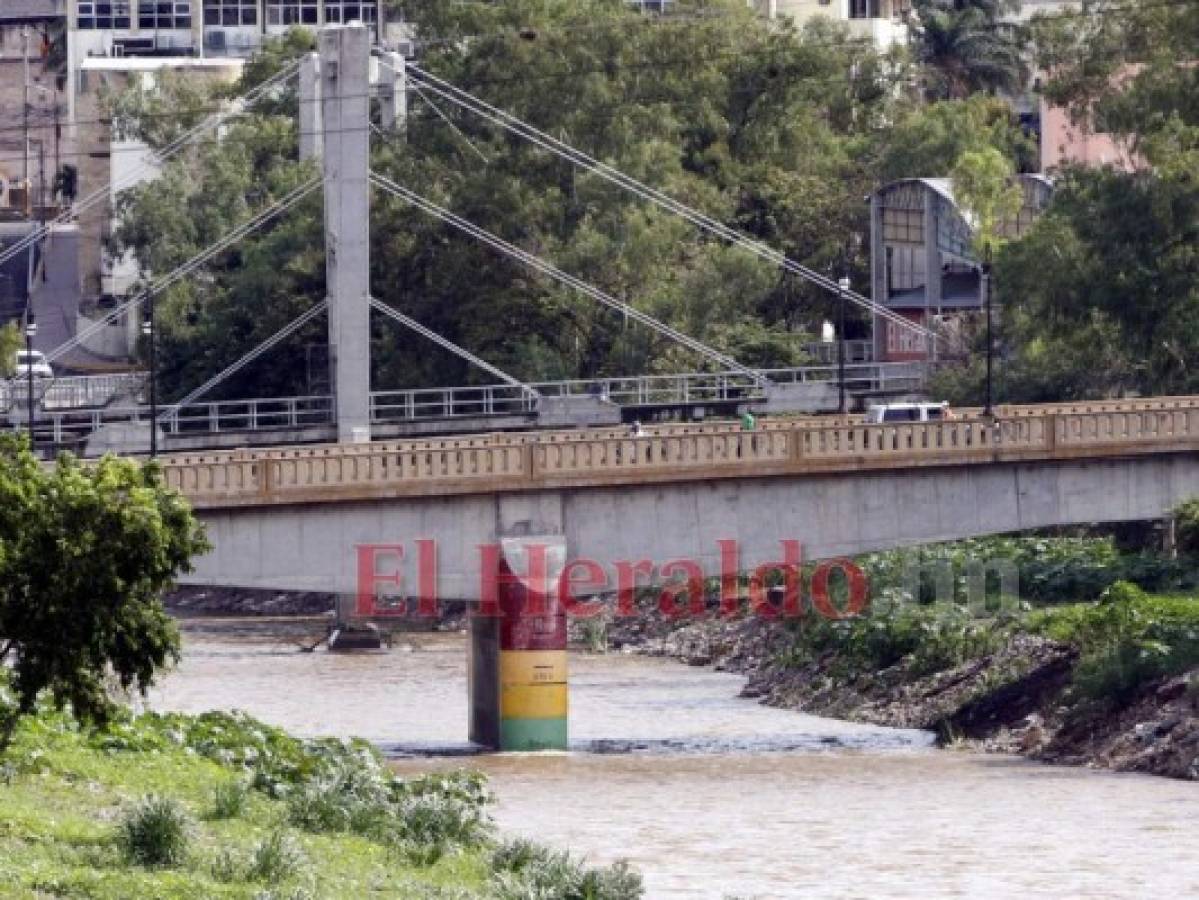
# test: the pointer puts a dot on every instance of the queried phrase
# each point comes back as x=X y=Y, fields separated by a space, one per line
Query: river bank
x=223 y=805
x=1016 y=691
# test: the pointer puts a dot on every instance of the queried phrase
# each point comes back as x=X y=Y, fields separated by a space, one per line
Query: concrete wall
x=313 y=547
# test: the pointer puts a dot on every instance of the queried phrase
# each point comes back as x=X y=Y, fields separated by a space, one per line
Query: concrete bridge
x=410 y=519
x=293 y=518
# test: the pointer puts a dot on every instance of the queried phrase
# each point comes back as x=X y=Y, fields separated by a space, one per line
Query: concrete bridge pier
x=517 y=636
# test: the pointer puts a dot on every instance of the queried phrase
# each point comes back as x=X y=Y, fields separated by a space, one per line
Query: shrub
x=527 y=871
x=1186 y=527
x=229 y=799
x=933 y=638
x=156 y=832
x=278 y=858
x=1125 y=641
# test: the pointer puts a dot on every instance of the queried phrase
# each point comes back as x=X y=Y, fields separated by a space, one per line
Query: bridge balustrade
x=498 y=462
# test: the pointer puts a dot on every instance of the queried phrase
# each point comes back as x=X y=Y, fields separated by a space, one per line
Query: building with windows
x=199 y=27
x=923 y=264
x=883 y=21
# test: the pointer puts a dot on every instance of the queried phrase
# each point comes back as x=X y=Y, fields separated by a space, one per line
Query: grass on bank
x=1126 y=639
x=220 y=805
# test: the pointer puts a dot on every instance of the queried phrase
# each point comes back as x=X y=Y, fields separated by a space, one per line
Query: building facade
x=923 y=265
x=882 y=21
x=199 y=27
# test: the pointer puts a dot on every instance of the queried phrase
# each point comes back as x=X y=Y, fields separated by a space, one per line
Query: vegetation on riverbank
x=1067 y=649
x=220 y=805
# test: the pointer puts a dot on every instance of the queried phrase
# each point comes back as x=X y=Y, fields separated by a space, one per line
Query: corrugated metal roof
x=16 y=10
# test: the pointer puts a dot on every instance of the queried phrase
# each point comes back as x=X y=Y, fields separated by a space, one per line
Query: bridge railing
x=93 y=390
x=450 y=403
x=901 y=377
x=248 y=415
x=489 y=463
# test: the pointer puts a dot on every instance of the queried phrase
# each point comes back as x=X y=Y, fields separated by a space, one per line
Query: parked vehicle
x=35 y=360
x=888 y=413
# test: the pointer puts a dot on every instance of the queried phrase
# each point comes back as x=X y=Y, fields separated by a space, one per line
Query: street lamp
x=843 y=284
x=148 y=331
x=30 y=334
x=988 y=409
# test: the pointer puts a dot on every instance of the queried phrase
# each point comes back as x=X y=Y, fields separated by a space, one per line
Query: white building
x=883 y=21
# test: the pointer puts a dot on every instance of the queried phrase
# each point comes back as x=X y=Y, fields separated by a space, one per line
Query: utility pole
x=25 y=108
x=988 y=410
x=345 y=108
x=148 y=331
x=843 y=284
x=30 y=334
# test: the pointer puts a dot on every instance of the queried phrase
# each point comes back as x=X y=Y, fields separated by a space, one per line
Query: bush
x=933 y=638
x=278 y=858
x=156 y=832
x=1186 y=527
x=422 y=817
x=527 y=871
x=1125 y=641
x=229 y=799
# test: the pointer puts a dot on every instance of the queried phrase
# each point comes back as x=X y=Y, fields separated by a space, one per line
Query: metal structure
x=306 y=418
x=335 y=127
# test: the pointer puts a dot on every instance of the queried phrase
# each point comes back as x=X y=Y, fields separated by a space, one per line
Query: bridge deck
x=607 y=457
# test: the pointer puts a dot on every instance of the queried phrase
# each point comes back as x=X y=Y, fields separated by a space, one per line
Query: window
x=903 y=226
x=864 y=9
x=291 y=12
x=349 y=11
x=230 y=12
x=97 y=14
x=155 y=14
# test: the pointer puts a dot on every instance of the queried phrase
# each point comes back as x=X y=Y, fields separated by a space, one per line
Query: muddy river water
x=711 y=795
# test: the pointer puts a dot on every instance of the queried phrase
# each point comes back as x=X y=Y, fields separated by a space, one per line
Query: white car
x=35 y=360
x=907 y=412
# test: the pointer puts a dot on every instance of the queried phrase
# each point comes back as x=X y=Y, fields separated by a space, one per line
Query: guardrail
x=248 y=415
x=451 y=403
x=74 y=392
x=496 y=463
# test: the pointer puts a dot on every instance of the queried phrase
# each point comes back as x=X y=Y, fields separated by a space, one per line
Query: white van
x=35 y=360
x=891 y=413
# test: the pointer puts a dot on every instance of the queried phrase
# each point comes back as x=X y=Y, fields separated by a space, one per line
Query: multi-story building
x=199 y=27
x=34 y=139
x=32 y=103
x=883 y=21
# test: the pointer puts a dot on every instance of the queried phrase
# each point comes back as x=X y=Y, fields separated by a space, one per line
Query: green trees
x=966 y=47
x=85 y=553
x=1101 y=297
x=770 y=130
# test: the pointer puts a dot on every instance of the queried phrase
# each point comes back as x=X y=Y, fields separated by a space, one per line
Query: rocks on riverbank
x=1012 y=699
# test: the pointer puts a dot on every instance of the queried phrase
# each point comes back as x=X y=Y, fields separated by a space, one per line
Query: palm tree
x=966 y=47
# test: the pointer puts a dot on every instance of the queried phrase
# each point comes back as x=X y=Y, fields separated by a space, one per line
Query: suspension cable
x=471 y=103
x=445 y=342
x=282 y=334
x=231 y=237
x=237 y=107
x=546 y=268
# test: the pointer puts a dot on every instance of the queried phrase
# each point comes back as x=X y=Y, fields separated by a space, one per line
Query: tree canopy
x=85 y=554
x=778 y=132
x=1101 y=296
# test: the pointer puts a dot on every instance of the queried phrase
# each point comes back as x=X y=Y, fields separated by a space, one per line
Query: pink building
x=1064 y=141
